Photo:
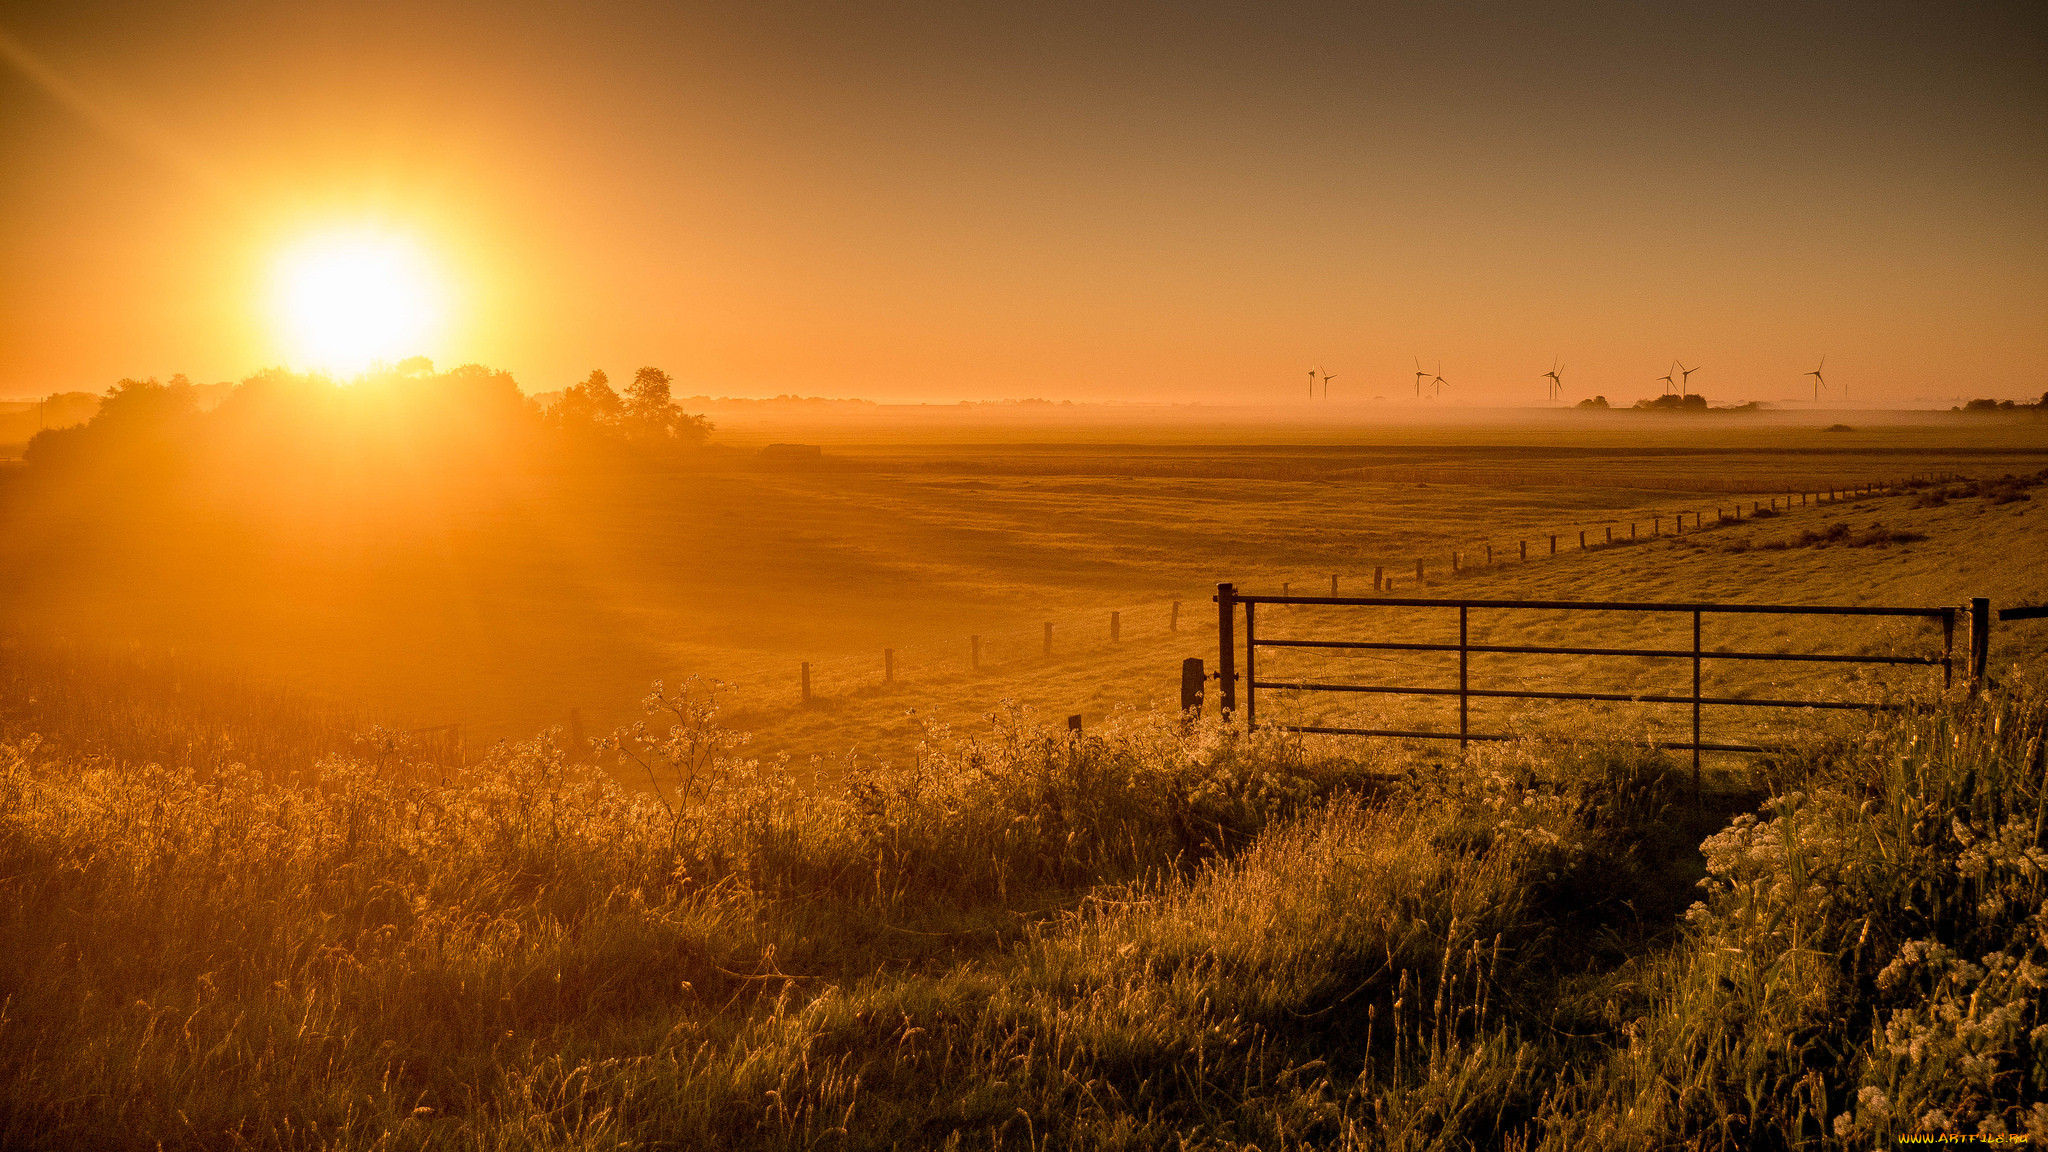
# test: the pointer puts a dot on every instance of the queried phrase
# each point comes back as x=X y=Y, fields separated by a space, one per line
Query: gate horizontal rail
x=1614 y=697
x=1426 y=735
x=1543 y=650
x=1228 y=599
x=1596 y=605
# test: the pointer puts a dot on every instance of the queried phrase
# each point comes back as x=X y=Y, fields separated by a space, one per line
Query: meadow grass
x=1151 y=937
x=501 y=597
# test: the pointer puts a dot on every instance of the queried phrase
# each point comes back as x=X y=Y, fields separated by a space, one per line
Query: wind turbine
x=1556 y=378
x=1686 y=374
x=1669 y=384
x=1311 y=384
x=1327 y=377
x=1820 y=381
x=1439 y=380
x=1420 y=376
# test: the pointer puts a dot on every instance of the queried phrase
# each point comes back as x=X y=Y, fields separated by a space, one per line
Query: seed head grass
x=1154 y=935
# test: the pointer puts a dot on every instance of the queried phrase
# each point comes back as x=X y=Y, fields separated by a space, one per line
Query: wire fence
x=1092 y=633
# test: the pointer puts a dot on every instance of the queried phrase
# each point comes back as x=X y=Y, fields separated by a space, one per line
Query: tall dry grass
x=1147 y=938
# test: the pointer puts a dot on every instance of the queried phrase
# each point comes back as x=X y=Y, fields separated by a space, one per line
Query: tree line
x=410 y=406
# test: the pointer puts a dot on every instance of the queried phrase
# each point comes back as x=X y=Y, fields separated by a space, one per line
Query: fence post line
x=1226 y=647
x=974 y=653
x=1610 y=534
x=1553 y=545
x=1525 y=549
x=1980 y=641
x=1116 y=627
x=1379 y=579
x=1048 y=637
x=1582 y=539
x=807 y=682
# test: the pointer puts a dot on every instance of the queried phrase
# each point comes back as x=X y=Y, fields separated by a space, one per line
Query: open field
x=1148 y=938
x=503 y=601
x=234 y=912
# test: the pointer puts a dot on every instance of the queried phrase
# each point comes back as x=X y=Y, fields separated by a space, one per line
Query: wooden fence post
x=1454 y=560
x=1582 y=539
x=1610 y=534
x=1553 y=545
x=1980 y=641
x=1116 y=627
x=1525 y=549
x=1191 y=683
x=1379 y=579
x=807 y=682
x=1489 y=555
x=1074 y=727
x=1333 y=583
x=1226 y=647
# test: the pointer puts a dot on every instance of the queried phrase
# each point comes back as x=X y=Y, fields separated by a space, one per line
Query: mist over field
x=599 y=769
x=766 y=577
x=439 y=551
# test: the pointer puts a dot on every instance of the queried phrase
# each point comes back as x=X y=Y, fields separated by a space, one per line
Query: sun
x=349 y=298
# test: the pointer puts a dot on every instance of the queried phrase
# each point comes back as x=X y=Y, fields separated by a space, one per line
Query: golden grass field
x=503 y=602
x=235 y=912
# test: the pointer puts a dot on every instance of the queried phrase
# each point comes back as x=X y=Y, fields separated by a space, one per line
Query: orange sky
x=1156 y=202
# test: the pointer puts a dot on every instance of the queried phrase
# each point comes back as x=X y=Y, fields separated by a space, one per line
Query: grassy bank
x=1150 y=938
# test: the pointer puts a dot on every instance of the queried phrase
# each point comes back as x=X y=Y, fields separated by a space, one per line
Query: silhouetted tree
x=653 y=415
x=138 y=422
x=650 y=410
x=591 y=404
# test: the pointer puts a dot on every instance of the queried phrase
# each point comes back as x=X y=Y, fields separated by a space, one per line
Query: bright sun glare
x=348 y=299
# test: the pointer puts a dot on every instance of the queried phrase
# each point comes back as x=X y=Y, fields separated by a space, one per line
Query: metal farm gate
x=1228 y=600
